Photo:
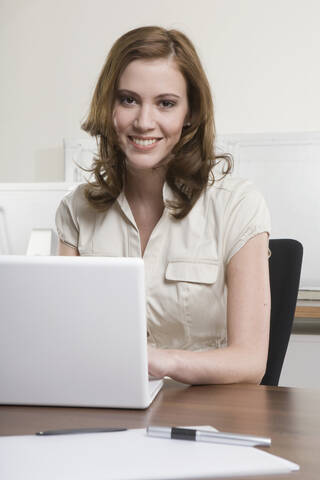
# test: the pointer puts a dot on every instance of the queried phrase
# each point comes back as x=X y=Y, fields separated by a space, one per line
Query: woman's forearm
x=231 y=364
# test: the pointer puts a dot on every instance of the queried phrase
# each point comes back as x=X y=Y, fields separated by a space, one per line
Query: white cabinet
x=25 y=206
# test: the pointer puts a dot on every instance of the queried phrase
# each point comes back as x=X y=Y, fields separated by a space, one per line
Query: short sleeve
x=66 y=223
x=246 y=216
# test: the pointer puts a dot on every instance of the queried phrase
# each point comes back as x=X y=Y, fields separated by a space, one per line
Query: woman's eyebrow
x=168 y=95
x=130 y=92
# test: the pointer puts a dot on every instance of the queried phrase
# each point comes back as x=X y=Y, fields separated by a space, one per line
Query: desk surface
x=290 y=416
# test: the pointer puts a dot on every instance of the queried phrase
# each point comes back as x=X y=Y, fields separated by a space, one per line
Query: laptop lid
x=73 y=332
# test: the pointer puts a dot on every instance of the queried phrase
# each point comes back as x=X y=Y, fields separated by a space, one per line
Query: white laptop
x=73 y=332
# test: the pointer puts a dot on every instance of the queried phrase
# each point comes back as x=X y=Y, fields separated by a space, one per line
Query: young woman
x=157 y=194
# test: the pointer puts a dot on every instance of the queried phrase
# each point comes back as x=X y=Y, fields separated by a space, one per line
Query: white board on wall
x=286 y=168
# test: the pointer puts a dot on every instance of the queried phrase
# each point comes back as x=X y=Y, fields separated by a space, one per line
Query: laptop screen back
x=73 y=331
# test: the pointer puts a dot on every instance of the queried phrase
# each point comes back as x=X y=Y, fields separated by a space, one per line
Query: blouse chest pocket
x=195 y=283
x=194 y=271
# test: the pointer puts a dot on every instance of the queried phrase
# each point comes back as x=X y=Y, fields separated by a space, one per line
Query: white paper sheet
x=129 y=455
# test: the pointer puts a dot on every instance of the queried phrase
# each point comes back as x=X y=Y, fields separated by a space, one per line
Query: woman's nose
x=145 y=118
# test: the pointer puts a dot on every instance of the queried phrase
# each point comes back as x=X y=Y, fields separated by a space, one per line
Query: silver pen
x=208 y=436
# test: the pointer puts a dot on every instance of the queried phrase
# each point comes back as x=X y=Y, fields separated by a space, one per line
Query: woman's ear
x=187 y=120
x=114 y=120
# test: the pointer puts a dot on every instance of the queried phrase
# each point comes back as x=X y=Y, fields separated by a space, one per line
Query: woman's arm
x=248 y=317
x=66 y=250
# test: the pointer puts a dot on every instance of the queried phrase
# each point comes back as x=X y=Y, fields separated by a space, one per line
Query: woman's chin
x=144 y=164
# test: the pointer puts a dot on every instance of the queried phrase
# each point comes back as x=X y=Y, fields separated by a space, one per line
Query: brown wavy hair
x=193 y=157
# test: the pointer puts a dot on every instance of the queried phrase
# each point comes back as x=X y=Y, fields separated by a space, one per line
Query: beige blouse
x=185 y=260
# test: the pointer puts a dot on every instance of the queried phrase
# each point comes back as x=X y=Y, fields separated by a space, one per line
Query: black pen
x=81 y=430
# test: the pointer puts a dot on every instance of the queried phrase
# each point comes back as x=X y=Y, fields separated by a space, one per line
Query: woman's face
x=150 y=110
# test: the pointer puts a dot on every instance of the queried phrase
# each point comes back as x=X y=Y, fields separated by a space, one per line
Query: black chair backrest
x=285 y=268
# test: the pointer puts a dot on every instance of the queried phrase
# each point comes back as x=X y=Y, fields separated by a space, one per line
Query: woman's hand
x=159 y=362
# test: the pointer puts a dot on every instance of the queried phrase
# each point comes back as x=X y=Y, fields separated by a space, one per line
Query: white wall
x=261 y=58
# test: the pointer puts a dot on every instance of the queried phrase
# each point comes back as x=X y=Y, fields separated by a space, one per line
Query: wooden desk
x=291 y=417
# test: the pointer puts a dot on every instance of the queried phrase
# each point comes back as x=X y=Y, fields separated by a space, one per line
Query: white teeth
x=138 y=141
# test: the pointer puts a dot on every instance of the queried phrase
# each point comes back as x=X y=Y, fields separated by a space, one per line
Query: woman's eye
x=167 y=103
x=127 y=100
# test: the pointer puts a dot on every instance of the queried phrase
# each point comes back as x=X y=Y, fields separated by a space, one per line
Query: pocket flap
x=196 y=271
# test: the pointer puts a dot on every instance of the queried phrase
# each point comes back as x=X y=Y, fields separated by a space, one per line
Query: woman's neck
x=145 y=186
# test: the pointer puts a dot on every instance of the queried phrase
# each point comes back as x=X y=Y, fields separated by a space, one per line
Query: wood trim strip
x=308 y=311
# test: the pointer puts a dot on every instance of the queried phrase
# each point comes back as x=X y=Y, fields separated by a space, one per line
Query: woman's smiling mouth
x=144 y=143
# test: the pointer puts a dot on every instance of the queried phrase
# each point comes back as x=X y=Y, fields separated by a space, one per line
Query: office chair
x=285 y=268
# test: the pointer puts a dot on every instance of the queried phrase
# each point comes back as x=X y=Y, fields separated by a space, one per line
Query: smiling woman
x=155 y=194
x=152 y=80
